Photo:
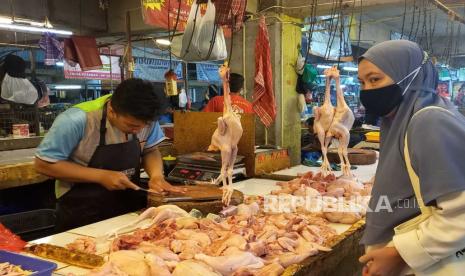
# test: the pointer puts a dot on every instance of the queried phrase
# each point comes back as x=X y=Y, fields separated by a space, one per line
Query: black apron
x=87 y=203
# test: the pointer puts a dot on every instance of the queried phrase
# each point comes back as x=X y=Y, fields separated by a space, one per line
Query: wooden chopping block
x=356 y=156
x=193 y=199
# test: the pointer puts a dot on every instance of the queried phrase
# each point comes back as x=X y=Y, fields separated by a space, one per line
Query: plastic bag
x=188 y=50
x=18 y=90
x=300 y=64
x=310 y=74
x=205 y=37
x=9 y=241
x=182 y=98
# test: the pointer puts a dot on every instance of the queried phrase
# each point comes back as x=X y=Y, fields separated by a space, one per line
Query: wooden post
x=129 y=61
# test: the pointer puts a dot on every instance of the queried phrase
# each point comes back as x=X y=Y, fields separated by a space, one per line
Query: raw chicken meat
x=108 y=269
x=162 y=252
x=225 y=139
x=323 y=118
x=341 y=124
x=130 y=262
x=186 y=248
x=83 y=244
x=194 y=268
x=157 y=265
x=226 y=265
x=156 y=214
x=186 y=234
x=241 y=245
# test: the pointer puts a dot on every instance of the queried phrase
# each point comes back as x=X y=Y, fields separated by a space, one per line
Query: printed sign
x=101 y=74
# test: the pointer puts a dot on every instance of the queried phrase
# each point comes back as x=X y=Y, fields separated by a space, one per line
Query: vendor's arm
x=52 y=157
x=153 y=164
x=437 y=152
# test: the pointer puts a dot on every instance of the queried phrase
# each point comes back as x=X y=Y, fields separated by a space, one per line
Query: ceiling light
x=351 y=69
x=60 y=64
x=323 y=66
x=164 y=42
x=15 y=27
x=68 y=87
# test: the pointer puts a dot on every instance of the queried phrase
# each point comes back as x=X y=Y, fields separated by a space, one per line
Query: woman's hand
x=385 y=261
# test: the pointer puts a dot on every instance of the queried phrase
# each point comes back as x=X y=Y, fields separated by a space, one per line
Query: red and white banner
x=102 y=74
x=155 y=13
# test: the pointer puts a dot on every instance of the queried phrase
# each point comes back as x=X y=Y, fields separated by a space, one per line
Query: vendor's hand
x=113 y=180
x=160 y=185
x=385 y=261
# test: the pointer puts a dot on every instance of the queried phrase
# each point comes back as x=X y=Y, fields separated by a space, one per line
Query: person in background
x=239 y=104
x=96 y=150
x=460 y=98
x=212 y=91
x=443 y=90
x=398 y=80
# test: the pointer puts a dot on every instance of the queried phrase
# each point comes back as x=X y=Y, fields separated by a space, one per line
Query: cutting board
x=356 y=156
x=205 y=198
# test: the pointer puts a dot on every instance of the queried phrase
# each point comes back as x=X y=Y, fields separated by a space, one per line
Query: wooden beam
x=301 y=8
x=129 y=60
x=451 y=14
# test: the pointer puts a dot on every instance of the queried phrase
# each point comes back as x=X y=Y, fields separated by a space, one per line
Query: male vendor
x=96 y=149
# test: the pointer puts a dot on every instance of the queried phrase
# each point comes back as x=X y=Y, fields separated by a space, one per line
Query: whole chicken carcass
x=341 y=124
x=225 y=139
x=323 y=118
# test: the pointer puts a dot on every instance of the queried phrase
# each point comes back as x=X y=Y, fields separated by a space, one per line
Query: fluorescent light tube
x=164 y=42
x=351 y=69
x=68 y=87
x=15 y=27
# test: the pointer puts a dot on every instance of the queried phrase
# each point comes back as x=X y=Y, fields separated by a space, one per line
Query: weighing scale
x=202 y=167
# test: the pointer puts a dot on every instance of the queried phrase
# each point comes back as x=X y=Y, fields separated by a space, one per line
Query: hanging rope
x=193 y=30
x=177 y=20
x=233 y=23
x=403 y=20
x=413 y=21
x=359 y=29
x=311 y=30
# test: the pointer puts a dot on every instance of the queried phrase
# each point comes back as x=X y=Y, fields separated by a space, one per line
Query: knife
x=188 y=198
x=149 y=191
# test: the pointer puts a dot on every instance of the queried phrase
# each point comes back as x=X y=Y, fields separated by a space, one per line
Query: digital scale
x=202 y=167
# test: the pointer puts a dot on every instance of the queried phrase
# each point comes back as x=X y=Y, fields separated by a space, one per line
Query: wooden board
x=342 y=260
x=193 y=132
x=198 y=191
x=356 y=156
x=21 y=174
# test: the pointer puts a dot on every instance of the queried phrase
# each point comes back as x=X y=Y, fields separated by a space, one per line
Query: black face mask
x=381 y=101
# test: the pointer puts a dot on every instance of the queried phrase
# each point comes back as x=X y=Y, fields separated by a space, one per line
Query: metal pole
x=185 y=76
x=36 y=123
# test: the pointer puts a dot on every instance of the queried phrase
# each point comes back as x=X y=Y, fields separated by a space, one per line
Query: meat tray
x=41 y=267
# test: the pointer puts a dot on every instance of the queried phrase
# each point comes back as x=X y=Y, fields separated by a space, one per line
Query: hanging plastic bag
x=188 y=50
x=310 y=74
x=183 y=98
x=300 y=64
x=18 y=90
x=206 y=36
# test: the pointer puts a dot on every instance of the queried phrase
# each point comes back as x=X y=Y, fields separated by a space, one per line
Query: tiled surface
x=363 y=173
x=340 y=228
x=101 y=228
x=61 y=239
x=256 y=186
x=72 y=269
